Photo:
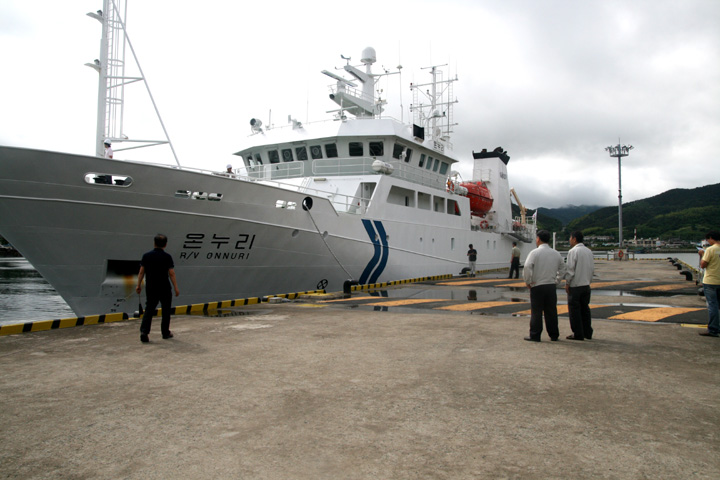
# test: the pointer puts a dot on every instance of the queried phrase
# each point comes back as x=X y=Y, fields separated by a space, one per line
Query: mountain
x=686 y=214
x=568 y=213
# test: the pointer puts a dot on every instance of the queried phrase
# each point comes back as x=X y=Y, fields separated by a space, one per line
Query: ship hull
x=229 y=238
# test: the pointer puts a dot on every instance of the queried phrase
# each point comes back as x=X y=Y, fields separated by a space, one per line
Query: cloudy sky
x=553 y=82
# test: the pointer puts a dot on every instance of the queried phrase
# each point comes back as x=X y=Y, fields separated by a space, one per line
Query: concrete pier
x=311 y=389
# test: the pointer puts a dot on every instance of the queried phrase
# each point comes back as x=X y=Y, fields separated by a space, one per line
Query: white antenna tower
x=111 y=87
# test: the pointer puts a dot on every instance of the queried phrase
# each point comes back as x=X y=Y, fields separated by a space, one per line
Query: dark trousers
x=579 y=311
x=165 y=301
x=543 y=299
x=515 y=265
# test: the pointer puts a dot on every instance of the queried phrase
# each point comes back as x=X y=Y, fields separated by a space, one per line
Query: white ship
x=359 y=197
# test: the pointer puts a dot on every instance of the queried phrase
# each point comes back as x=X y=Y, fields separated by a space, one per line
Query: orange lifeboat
x=481 y=199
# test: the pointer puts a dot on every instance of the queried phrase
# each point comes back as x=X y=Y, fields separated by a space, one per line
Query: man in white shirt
x=544 y=268
x=578 y=277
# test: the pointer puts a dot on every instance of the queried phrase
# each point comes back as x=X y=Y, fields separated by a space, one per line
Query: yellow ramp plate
x=513 y=285
x=665 y=288
x=472 y=282
x=400 y=303
x=465 y=307
x=561 y=309
x=654 y=314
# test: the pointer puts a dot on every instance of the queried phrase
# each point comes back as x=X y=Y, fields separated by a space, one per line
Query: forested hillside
x=685 y=214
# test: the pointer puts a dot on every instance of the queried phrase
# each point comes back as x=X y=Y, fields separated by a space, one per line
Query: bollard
x=347 y=286
x=688 y=275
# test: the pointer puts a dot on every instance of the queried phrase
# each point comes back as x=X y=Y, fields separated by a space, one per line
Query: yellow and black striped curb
x=38 y=326
x=42 y=325
x=373 y=286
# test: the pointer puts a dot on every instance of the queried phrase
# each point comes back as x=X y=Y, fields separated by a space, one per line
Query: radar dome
x=368 y=56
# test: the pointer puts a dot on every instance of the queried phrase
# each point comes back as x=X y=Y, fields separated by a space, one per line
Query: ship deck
x=410 y=383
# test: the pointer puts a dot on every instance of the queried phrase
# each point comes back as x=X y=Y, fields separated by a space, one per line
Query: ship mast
x=112 y=81
x=438 y=113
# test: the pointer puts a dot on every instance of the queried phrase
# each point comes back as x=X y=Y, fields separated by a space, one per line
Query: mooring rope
x=350 y=277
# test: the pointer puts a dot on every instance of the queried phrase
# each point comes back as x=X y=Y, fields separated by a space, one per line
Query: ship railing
x=343 y=166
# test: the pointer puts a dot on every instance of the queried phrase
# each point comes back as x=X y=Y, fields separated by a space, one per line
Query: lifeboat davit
x=481 y=199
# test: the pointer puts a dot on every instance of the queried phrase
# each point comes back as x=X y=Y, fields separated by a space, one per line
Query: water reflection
x=26 y=296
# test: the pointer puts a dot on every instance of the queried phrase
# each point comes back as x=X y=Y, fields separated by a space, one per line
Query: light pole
x=619 y=151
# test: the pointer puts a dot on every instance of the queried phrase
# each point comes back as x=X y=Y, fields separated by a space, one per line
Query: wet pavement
x=322 y=387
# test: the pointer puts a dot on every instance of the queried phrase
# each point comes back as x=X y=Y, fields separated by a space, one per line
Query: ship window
x=443 y=168
x=428 y=166
x=401 y=196
x=398 y=150
x=213 y=197
x=437 y=164
x=315 y=152
x=301 y=153
x=452 y=207
x=258 y=159
x=423 y=201
x=439 y=204
x=377 y=149
x=355 y=149
x=285 y=204
x=108 y=179
x=331 y=150
x=422 y=160
x=273 y=156
x=287 y=155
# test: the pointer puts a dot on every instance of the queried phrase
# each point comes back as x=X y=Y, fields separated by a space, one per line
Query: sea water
x=25 y=296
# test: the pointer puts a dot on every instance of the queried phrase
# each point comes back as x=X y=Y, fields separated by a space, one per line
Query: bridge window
x=398 y=150
x=443 y=168
x=437 y=164
x=301 y=153
x=316 y=152
x=287 y=155
x=258 y=159
x=331 y=150
x=428 y=166
x=355 y=149
x=377 y=149
x=422 y=160
x=273 y=156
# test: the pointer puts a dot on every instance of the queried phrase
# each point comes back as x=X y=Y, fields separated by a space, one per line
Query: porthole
x=108 y=179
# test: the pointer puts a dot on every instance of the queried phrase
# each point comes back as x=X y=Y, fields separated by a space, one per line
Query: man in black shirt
x=472 y=256
x=158 y=266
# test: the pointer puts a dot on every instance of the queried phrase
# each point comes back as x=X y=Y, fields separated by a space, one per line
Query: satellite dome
x=368 y=56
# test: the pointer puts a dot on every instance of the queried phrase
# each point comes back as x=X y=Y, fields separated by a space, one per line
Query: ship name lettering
x=228 y=256
x=242 y=241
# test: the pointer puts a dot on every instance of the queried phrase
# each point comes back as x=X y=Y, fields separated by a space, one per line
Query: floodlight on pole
x=618 y=152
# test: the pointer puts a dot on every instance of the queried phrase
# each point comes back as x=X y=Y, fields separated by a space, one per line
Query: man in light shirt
x=711 y=283
x=578 y=277
x=544 y=268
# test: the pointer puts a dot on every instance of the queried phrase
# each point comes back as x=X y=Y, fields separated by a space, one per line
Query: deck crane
x=522 y=207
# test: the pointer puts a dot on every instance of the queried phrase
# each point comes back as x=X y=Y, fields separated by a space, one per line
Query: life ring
x=620 y=254
x=484 y=224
